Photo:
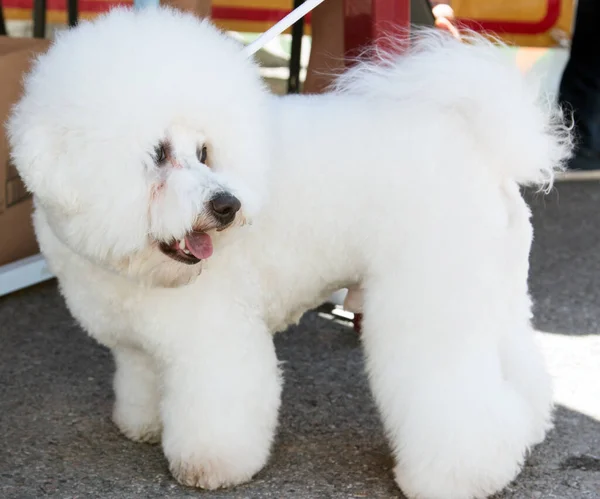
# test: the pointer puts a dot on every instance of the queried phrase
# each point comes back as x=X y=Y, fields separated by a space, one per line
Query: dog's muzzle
x=196 y=245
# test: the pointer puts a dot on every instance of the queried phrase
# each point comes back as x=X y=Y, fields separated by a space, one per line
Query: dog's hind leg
x=525 y=369
x=137 y=398
x=432 y=332
x=522 y=362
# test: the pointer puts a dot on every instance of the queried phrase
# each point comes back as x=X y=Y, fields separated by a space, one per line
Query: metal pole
x=296 y=50
x=39 y=18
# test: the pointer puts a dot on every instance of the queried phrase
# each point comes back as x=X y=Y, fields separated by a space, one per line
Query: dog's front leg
x=137 y=399
x=221 y=399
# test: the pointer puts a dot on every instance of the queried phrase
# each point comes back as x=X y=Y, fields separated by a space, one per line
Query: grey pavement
x=57 y=440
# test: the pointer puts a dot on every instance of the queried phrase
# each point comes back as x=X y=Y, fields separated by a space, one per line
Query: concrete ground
x=57 y=440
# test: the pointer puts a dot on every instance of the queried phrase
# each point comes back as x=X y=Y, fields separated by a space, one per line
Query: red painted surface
x=368 y=21
x=84 y=6
x=358 y=323
x=358 y=20
x=390 y=17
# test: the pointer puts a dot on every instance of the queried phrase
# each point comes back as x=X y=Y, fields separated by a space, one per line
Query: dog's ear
x=42 y=163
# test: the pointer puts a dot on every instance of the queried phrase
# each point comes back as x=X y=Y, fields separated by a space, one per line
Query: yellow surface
x=518 y=10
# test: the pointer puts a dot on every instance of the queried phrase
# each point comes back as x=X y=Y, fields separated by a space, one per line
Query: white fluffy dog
x=189 y=214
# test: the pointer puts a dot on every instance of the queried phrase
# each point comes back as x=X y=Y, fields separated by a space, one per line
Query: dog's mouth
x=194 y=247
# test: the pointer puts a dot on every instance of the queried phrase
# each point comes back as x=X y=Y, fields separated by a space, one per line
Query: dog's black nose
x=224 y=206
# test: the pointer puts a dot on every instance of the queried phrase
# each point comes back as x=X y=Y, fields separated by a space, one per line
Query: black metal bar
x=296 y=50
x=73 y=12
x=421 y=13
x=39 y=18
x=2 y=23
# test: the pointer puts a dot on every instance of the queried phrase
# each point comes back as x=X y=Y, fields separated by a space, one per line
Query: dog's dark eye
x=160 y=154
x=202 y=154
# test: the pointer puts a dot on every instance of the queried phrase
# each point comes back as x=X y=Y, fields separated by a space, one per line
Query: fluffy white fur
x=402 y=183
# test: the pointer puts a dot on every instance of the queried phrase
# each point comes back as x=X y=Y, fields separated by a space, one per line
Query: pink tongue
x=199 y=244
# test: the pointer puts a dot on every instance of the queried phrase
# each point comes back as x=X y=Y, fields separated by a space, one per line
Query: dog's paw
x=210 y=474
x=469 y=450
x=212 y=464
x=137 y=425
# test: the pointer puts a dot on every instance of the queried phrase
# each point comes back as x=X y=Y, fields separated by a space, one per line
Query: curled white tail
x=475 y=79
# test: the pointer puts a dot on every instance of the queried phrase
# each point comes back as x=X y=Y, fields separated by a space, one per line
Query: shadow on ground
x=565 y=261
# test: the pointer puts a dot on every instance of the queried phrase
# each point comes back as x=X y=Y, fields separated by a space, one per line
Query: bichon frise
x=189 y=214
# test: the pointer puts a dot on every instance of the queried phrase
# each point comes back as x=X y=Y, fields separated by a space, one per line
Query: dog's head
x=141 y=136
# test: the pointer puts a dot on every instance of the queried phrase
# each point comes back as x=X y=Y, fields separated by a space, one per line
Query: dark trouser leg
x=580 y=85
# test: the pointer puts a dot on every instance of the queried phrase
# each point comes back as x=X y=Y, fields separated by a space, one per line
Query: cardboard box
x=17 y=239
